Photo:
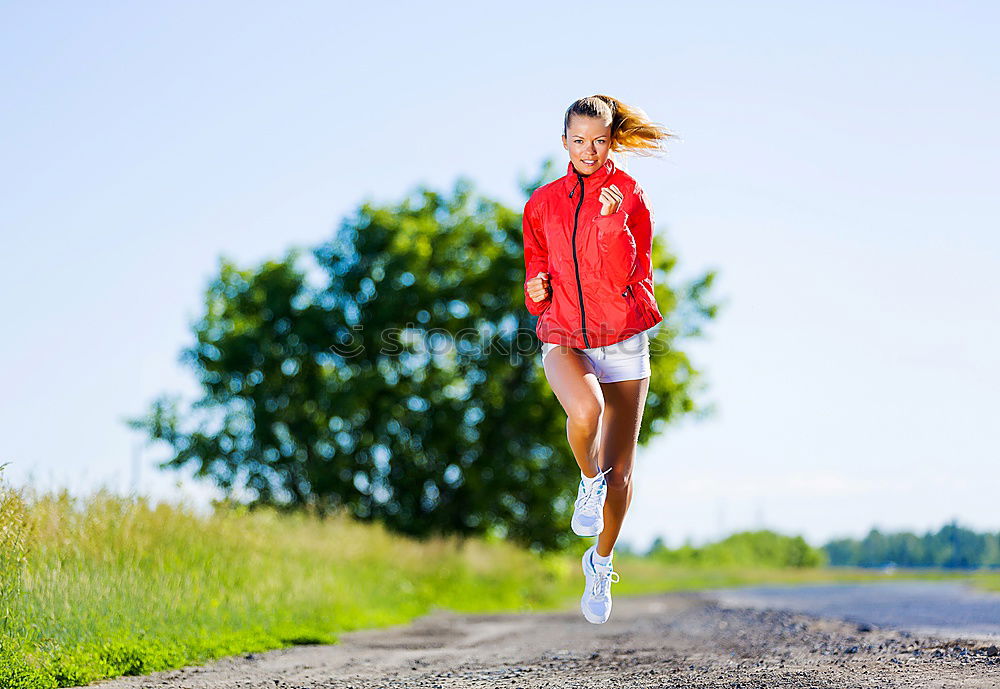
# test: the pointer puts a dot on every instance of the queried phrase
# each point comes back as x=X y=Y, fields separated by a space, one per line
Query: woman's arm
x=626 y=239
x=641 y=224
x=536 y=256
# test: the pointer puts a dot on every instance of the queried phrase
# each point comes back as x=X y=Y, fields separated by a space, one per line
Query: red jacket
x=599 y=266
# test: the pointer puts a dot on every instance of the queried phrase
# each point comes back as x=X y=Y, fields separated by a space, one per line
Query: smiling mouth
x=588 y=162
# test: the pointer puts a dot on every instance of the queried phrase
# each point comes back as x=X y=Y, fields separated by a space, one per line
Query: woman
x=587 y=243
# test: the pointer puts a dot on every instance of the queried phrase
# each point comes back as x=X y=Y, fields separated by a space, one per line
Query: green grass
x=115 y=586
x=108 y=586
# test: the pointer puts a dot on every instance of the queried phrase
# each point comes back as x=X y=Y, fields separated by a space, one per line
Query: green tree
x=404 y=384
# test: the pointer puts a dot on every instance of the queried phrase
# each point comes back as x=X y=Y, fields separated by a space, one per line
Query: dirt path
x=674 y=640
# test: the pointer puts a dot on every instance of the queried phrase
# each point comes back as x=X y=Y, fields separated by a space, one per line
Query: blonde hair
x=631 y=129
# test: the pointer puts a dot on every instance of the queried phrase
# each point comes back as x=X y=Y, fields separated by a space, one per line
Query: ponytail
x=631 y=129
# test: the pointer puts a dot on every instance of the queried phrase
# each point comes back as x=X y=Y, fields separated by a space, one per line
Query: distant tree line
x=763 y=548
x=951 y=546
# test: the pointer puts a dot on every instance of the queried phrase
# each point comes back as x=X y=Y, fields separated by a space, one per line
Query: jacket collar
x=594 y=179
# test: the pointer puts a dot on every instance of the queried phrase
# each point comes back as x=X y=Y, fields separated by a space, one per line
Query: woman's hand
x=611 y=199
x=538 y=287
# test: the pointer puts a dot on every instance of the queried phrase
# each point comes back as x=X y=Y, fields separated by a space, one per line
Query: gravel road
x=676 y=640
x=923 y=607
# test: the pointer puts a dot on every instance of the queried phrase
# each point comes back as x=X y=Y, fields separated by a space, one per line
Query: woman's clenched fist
x=538 y=287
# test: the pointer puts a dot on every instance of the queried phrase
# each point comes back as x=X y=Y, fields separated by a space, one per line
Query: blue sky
x=836 y=165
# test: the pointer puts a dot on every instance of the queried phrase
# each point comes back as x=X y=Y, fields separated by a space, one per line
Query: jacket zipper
x=576 y=264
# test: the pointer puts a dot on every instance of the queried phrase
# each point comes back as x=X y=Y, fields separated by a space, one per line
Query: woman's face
x=588 y=141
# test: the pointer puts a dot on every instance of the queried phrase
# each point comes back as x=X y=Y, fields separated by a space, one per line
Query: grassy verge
x=109 y=586
x=116 y=586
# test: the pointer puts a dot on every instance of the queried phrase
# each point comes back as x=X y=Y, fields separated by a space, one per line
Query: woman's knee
x=585 y=412
x=619 y=477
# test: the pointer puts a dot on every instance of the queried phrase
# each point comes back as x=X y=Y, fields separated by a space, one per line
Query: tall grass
x=112 y=585
x=13 y=519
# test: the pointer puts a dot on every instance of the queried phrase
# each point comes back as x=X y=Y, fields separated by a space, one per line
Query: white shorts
x=625 y=360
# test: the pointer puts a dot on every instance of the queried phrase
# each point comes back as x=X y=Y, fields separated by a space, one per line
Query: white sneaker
x=588 y=511
x=596 y=600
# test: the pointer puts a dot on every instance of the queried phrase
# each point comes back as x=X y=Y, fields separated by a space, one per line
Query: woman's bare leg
x=580 y=395
x=624 y=404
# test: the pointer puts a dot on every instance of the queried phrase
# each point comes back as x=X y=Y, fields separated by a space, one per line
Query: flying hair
x=631 y=129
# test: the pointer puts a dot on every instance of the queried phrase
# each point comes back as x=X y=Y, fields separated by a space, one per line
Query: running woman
x=587 y=244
